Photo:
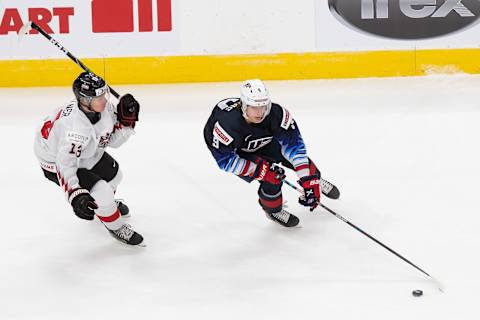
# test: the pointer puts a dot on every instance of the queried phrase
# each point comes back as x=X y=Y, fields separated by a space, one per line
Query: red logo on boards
x=107 y=16
x=117 y=15
x=12 y=21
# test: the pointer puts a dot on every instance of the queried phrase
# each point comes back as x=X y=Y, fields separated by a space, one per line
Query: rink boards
x=168 y=69
x=166 y=41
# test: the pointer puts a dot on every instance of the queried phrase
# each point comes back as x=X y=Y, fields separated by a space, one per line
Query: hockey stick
x=32 y=25
x=438 y=283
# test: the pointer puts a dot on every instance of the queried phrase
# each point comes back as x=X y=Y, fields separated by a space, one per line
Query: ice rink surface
x=403 y=152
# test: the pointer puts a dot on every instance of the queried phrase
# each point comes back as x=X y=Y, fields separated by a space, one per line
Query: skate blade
x=143 y=245
x=298 y=226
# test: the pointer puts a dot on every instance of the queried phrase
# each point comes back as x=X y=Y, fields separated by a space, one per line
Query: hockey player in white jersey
x=70 y=146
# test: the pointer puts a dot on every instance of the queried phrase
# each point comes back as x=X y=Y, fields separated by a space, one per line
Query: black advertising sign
x=407 y=19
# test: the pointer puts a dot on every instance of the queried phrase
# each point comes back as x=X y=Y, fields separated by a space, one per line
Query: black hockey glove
x=127 y=110
x=311 y=191
x=82 y=203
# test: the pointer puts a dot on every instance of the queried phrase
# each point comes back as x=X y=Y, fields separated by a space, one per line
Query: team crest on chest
x=257 y=144
x=104 y=140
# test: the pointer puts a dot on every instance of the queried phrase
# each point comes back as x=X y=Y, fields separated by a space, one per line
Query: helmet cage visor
x=99 y=93
x=264 y=103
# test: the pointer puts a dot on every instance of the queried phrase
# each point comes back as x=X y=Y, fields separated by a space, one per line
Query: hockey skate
x=284 y=218
x=127 y=235
x=329 y=190
x=122 y=207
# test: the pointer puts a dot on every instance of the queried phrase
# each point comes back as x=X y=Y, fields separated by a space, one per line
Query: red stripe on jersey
x=313 y=168
x=111 y=218
x=301 y=167
x=60 y=179
x=48 y=125
x=273 y=203
x=62 y=183
x=58 y=115
x=245 y=169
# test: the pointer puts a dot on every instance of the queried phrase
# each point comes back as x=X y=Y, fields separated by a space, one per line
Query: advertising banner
x=95 y=28
x=349 y=25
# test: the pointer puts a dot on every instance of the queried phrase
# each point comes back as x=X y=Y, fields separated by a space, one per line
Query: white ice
x=403 y=151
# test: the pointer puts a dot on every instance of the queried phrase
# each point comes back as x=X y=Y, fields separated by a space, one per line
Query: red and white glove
x=311 y=191
x=270 y=173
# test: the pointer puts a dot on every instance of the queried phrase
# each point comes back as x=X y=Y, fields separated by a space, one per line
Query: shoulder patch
x=221 y=134
x=229 y=104
x=76 y=137
x=286 y=119
x=68 y=110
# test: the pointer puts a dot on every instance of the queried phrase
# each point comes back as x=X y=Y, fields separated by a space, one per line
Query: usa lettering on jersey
x=257 y=144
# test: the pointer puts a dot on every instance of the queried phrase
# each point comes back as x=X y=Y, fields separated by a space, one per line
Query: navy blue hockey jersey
x=235 y=144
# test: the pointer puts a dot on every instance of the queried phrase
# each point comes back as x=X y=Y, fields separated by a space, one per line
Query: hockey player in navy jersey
x=70 y=147
x=254 y=139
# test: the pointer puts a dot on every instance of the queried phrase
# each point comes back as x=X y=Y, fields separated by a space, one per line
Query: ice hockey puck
x=417 y=293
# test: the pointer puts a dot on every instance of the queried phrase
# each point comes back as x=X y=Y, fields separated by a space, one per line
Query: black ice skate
x=329 y=190
x=284 y=218
x=127 y=235
x=124 y=210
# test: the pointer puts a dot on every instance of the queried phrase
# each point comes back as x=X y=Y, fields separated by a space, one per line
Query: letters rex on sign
x=406 y=19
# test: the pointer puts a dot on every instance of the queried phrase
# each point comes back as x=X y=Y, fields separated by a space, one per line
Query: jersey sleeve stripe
x=233 y=163
x=112 y=218
x=246 y=166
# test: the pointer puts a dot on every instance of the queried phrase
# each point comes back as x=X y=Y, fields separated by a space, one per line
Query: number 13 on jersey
x=76 y=150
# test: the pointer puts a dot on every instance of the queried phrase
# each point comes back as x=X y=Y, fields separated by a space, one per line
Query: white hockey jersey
x=67 y=140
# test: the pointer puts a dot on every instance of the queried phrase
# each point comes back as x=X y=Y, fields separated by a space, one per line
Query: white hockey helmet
x=253 y=93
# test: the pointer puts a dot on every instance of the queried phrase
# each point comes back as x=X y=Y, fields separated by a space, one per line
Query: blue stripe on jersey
x=293 y=147
x=229 y=162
